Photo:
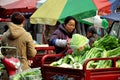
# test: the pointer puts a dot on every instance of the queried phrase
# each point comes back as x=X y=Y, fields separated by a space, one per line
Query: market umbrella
x=53 y=10
x=7 y=7
x=104 y=7
x=10 y=4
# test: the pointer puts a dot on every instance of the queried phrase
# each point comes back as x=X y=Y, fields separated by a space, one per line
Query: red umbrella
x=7 y=7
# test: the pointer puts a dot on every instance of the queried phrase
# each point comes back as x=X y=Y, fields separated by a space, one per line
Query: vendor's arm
x=59 y=42
x=55 y=40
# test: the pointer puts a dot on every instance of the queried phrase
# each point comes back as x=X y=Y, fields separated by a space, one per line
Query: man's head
x=17 y=18
x=91 y=31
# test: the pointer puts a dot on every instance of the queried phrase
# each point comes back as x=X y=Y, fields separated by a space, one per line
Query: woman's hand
x=68 y=43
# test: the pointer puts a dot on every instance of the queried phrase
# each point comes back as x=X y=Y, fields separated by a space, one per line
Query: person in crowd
x=17 y=36
x=91 y=35
x=62 y=35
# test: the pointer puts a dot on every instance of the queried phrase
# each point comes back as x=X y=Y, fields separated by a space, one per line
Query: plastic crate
x=36 y=61
x=59 y=73
x=112 y=73
x=43 y=49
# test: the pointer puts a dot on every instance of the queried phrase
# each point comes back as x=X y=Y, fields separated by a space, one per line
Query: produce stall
x=60 y=73
x=102 y=61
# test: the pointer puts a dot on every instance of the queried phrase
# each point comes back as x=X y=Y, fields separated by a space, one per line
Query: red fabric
x=19 y=4
x=6 y=8
x=103 y=6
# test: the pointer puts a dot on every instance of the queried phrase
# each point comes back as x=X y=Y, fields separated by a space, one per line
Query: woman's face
x=70 y=26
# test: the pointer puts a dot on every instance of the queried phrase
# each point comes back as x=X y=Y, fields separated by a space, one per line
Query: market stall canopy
x=53 y=10
x=113 y=17
x=7 y=7
x=106 y=7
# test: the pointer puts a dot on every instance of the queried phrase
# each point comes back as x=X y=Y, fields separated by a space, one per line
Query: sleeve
x=56 y=40
x=60 y=42
x=31 y=51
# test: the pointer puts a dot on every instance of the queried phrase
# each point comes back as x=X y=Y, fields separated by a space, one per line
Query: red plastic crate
x=41 y=51
x=112 y=73
x=59 y=73
x=37 y=59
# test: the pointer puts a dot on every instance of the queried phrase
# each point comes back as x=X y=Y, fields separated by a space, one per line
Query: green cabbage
x=78 y=41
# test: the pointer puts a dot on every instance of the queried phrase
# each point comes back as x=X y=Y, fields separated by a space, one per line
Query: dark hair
x=17 y=18
x=92 y=30
x=67 y=19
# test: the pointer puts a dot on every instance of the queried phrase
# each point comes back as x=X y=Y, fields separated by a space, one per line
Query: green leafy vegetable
x=108 y=42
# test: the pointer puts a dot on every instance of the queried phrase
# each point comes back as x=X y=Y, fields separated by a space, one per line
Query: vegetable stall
x=102 y=61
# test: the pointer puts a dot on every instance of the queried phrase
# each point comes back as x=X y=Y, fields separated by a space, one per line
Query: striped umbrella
x=53 y=10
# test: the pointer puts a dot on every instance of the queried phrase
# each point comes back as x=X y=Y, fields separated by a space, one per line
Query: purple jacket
x=60 y=33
